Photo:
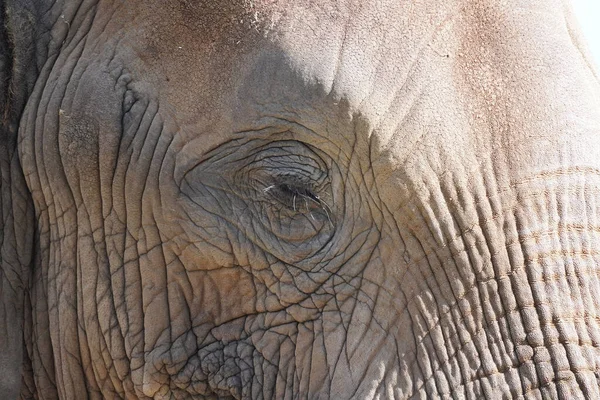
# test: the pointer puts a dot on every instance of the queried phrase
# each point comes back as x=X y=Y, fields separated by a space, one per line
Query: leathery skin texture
x=276 y=199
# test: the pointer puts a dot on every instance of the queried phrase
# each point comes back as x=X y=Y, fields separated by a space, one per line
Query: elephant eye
x=296 y=198
x=277 y=193
x=289 y=183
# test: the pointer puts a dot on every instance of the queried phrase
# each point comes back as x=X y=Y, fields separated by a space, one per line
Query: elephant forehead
x=225 y=61
x=346 y=44
x=204 y=52
x=361 y=51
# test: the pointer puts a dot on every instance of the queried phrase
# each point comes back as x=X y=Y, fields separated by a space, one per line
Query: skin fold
x=276 y=199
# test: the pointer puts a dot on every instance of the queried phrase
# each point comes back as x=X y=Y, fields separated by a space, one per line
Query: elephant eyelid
x=285 y=191
x=300 y=200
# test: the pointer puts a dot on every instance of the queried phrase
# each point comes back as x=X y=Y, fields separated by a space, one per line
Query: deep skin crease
x=298 y=199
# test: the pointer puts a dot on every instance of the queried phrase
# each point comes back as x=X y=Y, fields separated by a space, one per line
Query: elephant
x=336 y=199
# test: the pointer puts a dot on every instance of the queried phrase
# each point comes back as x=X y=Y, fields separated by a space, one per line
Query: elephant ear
x=17 y=74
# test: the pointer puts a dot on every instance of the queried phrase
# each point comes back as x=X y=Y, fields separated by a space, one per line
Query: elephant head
x=298 y=199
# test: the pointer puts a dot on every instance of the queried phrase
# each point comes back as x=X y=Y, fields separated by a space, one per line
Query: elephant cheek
x=499 y=282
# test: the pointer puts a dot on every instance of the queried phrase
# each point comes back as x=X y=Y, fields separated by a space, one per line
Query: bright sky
x=588 y=13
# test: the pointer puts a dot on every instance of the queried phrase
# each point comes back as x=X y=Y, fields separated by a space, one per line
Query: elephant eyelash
x=294 y=197
x=284 y=192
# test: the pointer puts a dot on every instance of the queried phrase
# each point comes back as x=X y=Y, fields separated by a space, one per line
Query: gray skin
x=298 y=199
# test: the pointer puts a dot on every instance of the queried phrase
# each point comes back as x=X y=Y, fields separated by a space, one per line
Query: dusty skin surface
x=298 y=200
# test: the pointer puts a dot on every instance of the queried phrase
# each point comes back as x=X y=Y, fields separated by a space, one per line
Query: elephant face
x=378 y=199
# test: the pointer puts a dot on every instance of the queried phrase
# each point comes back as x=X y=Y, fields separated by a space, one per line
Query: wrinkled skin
x=298 y=199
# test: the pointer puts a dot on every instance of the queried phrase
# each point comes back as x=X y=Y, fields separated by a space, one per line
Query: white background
x=588 y=14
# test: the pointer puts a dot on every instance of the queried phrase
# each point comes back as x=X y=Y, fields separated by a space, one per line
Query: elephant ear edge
x=18 y=72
